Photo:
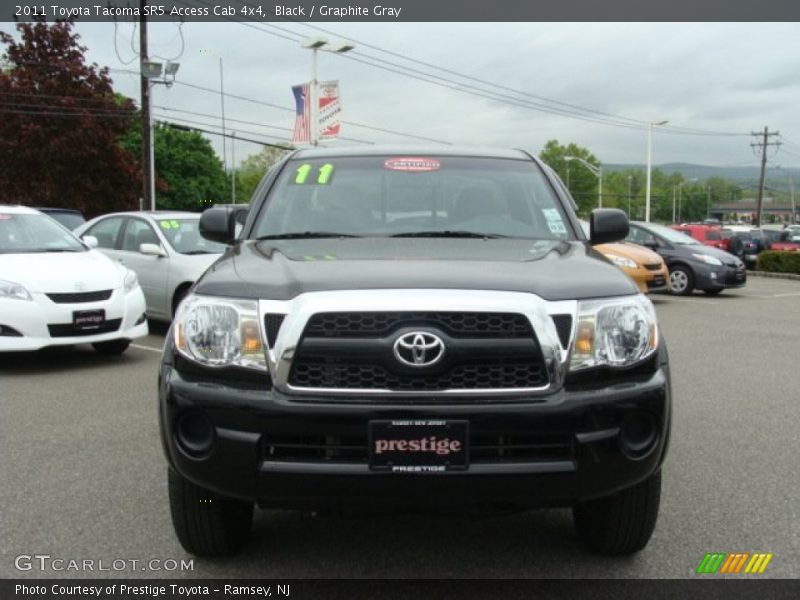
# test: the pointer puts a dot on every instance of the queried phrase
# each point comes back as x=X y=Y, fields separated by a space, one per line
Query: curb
x=791 y=276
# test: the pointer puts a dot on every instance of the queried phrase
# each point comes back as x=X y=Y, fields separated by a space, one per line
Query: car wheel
x=207 y=524
x=713 y=292
x=112 y=348
x=681 y=281
x=622 y=523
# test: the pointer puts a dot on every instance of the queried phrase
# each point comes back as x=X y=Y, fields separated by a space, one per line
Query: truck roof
x=412 y=150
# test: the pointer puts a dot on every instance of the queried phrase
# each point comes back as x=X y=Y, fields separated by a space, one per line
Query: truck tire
x=623 y=523
x=207 y=524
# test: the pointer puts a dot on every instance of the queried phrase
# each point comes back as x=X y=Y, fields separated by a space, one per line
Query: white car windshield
x=28 y=233
x=184 y=236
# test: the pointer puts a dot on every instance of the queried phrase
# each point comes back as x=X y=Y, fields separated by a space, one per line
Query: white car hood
x=63 y=272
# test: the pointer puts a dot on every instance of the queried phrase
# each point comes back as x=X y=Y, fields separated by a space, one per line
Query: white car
x=164 y=248
x=57 y=291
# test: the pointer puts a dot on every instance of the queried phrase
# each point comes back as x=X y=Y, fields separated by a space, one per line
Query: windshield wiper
x=306 y=234
x=190 y=252
x=448 y=233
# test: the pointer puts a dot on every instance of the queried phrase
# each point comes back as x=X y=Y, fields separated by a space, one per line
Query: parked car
x=68 y=217
x=691 y=264
x=164 y=248
x=647 y=269
x=781 y=240
x=414 y=328
x=708 y=235
x=57 y=291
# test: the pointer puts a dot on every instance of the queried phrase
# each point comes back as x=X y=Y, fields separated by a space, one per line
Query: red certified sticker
x=413 y=164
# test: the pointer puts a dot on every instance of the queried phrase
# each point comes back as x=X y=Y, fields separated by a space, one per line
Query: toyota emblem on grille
x=418 y=349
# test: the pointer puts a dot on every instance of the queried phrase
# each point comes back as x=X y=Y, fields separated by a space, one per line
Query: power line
x=612 y=119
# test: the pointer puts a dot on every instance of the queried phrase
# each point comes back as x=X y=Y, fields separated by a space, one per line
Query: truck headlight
x=614 y=332
x=220 y=332
x=130 y=281
x=708 y=259
x=14 y=291
x=621 y=261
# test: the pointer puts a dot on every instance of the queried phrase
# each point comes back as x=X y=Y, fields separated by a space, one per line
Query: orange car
x=645 y=267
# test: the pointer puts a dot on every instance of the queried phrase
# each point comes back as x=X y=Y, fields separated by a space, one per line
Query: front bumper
x=647 y=280
x=33 y=322
x=710 y=277
x=583 y=454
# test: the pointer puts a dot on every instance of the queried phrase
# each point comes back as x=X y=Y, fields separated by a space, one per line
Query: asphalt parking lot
x=83 y=476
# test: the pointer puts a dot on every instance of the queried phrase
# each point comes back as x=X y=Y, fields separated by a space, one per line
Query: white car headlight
x=614 y=332
x=621 y=261
x=220 y=332
x=131 y=281
x=708 y=259
x=9 y=289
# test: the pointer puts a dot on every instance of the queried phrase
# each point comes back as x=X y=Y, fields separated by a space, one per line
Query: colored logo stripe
x=722 y=562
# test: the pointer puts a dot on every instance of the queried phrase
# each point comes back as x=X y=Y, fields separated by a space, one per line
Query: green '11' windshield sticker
x=324 y=175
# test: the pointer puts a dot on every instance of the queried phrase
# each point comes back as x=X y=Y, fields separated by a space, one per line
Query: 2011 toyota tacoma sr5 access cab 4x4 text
x=424 y=328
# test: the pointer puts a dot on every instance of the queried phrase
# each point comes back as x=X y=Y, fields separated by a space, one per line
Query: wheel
x=112 y=348
x=207 y=524
x=623 y=523
x=681 y=281
x=713 y=292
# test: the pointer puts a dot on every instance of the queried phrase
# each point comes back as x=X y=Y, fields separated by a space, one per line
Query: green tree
x=581 y=183
x=253 y=169
x=61 y=126
x=189 y=174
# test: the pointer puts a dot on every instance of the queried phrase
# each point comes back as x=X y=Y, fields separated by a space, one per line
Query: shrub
x=779 y=262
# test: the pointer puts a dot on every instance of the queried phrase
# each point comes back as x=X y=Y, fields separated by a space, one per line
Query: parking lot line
x=150 y=348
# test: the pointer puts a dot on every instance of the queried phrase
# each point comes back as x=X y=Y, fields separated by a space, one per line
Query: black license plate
x=658 y=282
x=418 y=446
x=88 y=319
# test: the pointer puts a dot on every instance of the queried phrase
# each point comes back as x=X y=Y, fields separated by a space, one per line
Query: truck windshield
x=381 y=196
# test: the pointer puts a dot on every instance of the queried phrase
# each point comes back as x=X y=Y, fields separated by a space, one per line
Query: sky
x=721 y=77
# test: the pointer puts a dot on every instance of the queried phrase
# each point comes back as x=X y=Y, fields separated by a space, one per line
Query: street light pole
x=152 y=73
x=316 y=44
x=596 y=171
x=630 y=179
x=650 y=127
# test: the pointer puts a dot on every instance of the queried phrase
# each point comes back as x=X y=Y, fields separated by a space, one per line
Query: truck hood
x=61 y=272
x=281 y=270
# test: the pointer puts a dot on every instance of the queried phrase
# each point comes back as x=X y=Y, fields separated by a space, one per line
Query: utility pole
x=791 y=192
x=763 y=146
x=145 y=104
x=222 y=106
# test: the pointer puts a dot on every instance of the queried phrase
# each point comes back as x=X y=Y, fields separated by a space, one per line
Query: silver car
x=164 y=248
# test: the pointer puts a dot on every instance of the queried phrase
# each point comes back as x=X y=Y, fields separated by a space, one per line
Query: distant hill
x=745 y=176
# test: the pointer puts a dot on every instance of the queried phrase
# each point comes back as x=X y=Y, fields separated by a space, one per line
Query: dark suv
x=414 y=329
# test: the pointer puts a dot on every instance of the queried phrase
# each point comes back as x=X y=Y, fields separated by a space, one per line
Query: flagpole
x=312 y=92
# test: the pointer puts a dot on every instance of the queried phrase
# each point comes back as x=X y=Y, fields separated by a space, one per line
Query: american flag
x=302 y=122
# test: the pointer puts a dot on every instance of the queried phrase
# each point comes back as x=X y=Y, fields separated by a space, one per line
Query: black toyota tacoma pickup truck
x=413 y=328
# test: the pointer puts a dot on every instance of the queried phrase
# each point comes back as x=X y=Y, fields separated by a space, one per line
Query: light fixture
x=315 y=43
x=171 y=68
x=151 y=69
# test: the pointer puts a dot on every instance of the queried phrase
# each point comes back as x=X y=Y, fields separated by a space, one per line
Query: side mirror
x=151 y=250
x=607 y=225
x=90 y=241
x=218 y=224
